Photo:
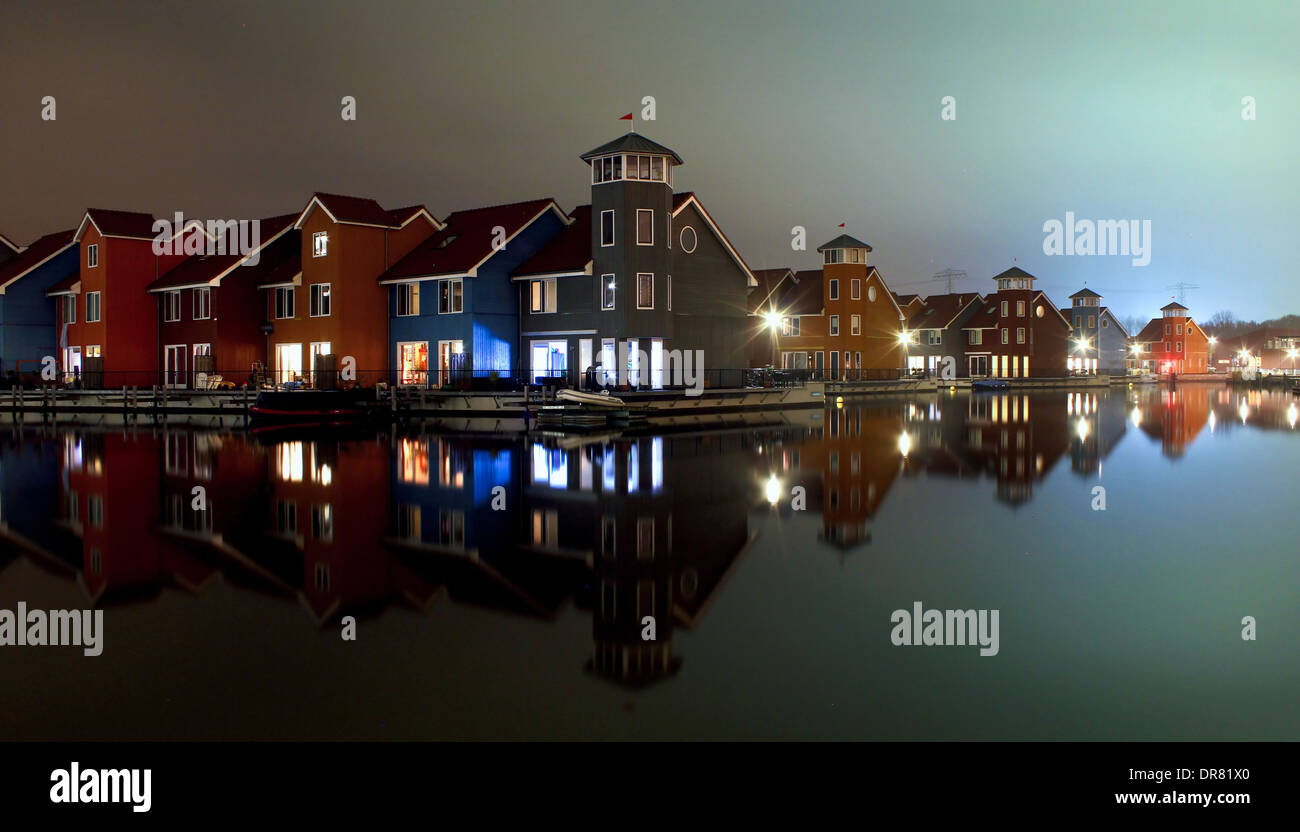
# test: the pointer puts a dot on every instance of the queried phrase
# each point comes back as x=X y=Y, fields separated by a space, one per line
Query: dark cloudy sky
x=786 y=113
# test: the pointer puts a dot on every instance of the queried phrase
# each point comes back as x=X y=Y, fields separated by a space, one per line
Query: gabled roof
x=1085 y=293
x=131 y=225
x=940 y=311
x=681 y=200
x=1041 y=295
x=467 y=240
x=208 y=270
x=355 y=210
x=907 y=298
x=1014 y=271
x=804 y=294
x=632 y=142
x=567 y=253
x=767 y=285
x=986 y=317
x=844 y=241
x=70 y=285
x=1105 y=310
x=1153 y=331
x=1169 y=306
x=10 y=244
x=35 y=255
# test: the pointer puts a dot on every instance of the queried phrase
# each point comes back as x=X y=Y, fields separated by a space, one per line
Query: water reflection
x=626 y=527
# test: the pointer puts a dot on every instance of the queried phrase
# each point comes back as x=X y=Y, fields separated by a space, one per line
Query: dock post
x=392 y=400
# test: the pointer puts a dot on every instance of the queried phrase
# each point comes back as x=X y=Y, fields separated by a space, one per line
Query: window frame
x=319 y=297
x=640 y=275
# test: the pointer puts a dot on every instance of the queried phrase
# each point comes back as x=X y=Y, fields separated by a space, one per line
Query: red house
x=334 y=306
x=210 y=310
x=108 y=335
x=1019 y=332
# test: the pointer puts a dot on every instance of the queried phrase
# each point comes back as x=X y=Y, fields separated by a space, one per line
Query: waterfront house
x=27 y=317
x=333 y=313
x=210 y=309
x=108 y=335
x=1100 y=341
x=791 y=326
x=1018 y=332
x=936 y=332
x=863 y=320
x=453 y=296
x=657 y=275
x=1173 y=343
x=1268 y=349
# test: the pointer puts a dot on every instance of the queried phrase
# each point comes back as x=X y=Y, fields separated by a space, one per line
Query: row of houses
x=346 y=291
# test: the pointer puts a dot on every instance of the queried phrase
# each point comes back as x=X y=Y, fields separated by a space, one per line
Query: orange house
x=107 y=320
x=334 y=306
x=1173 y=343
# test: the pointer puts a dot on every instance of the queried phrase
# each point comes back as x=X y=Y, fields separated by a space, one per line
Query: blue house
x=453 y=310
x=28 y=319
x=1099 y=343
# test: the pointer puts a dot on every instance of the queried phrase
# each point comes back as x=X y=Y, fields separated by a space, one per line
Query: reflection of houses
x=1100 y=340
x=1176 y=416
x=1173 y=343
x=1098 y=422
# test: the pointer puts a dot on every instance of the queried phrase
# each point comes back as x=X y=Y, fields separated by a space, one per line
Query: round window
x=688 y=239
x=871 y=293
x=1039 y=310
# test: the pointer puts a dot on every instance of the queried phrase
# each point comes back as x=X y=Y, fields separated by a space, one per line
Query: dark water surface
x=770 y=621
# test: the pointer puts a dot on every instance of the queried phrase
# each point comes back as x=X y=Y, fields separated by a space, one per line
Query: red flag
x=841 y=225
x=627 y=117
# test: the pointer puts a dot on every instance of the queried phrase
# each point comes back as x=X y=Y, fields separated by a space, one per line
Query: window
x=835 y=290
x=834 y=255
x=1092 y=322
x=645 y=227
x=1178 y=328
x=92 y=255
x=688 y=239
x=607 y=228
x=1179 y=346
x=1005 y=335
x=1105 y=323
x=645 y=291
x=92 y=307
x=542 y=295
x=319 y=244
x=670 y=293
x=1020 y=335
x=1020 y=309
x=171 y=306
x=934 y=337
x=202 y=304
x=1166 y=329
x=1004 y=309
x=322 y=522
x=70 y=309
x=319 y=304
x=94 y=351
x=607 y=291
x=976 y=338
x=855 y=289
x=835 y=324
x=284 y=302
x=855 y=325
x=408 y=299
x=450 y=296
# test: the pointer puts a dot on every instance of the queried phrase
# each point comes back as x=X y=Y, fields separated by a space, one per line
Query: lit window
x=855 y=325
x=607 y=291
x=450 y=296
x=542 y=294
x=319 y=244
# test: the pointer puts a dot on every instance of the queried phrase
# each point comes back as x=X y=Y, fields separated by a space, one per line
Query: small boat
x=603 y=399
x=990 y=384
x=309 y=406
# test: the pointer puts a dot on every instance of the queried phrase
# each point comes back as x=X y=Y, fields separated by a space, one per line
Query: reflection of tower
x=862 y=455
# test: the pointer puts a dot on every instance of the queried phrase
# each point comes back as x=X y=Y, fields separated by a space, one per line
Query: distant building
x=1269 y=349
x=1172 y=343
x=1019 y=332
x=1100 y=341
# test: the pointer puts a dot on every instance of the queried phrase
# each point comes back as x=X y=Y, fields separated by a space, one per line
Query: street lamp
x=904 y=341
x=773 y=319
x=1083 y=348
x=1291 y=355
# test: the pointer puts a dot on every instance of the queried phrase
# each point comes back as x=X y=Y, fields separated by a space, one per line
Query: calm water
x=770 y=621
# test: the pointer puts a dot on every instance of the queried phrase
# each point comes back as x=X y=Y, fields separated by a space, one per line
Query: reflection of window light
x=607 y=469
x=324 y=475
x=288 y=465
x=633 y=468
x=657 y=464
x=413 y=461
x=584 y=470
x=72 y=453
x=550 y=466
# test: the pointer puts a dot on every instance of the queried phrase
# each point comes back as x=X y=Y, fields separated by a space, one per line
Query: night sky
x=787 y=114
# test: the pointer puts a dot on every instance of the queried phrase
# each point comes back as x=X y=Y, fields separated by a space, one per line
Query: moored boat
x=596 y=399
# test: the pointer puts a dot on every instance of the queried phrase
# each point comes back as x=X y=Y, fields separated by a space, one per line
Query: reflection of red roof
x=120 y=223
x=566 y=253
x=35 y=254
x=467 y=240
x=939 y=311
x=205 y=270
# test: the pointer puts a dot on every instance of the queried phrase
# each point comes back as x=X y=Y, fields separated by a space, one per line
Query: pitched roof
x=5 y=241
x=768 y=284
x=69 y=285
x=34 y=255
x=803 y=293
x=1169 y=306
x=844 y=241
x=208 y=270
x=1153 y=331
x=632 y=142
x=940 y=311
x=986 y=317
x=907 y=298
x=467 y=240
x=129 y=224
x=355 y=210
x=568 y=252
x=681 y=200
x=401 y=216
x=1014 y=271
x=1085 y=293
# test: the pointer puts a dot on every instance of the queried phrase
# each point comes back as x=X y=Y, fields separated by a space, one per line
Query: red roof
x=66 y=285
x=202 y=269
x=121 y=223
x=354 y=210
x=35 y=254
x=939 y=311
x=569 y=251
x=401 y=216
x=1153 y=331
x=986 y=317
x=466 y=241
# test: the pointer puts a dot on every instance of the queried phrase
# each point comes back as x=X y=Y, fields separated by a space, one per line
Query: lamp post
x=1083 y=349
x=773 y=320
x=905 y=341
x=1210 y=360
x=1291 y=355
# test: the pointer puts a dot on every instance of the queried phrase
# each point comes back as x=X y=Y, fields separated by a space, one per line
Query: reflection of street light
x=1082 y=430
x=904 y=444
x=773 y=490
